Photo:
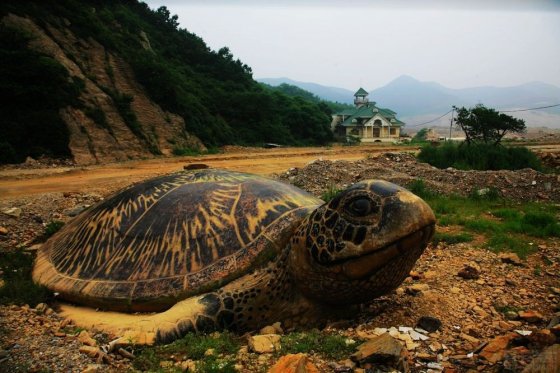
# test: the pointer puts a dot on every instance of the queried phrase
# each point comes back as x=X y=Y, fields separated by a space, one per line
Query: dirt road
x=23 y=182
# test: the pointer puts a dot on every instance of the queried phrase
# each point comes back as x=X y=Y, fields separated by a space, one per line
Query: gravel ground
x=473 y=312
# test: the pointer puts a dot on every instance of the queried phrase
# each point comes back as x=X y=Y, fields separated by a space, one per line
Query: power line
x=501 y=111
x=430 y=121
x=534 y=108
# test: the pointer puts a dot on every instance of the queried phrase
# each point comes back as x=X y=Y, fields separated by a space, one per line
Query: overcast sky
x=356 y=43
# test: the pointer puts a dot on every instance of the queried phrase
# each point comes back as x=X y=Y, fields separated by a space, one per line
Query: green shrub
x=479 y=157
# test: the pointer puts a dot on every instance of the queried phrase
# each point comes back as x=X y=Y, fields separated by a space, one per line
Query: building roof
x=364 y=113
x=361 y=92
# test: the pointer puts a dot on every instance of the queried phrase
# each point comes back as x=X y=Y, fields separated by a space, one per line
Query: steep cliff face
x=115 y=120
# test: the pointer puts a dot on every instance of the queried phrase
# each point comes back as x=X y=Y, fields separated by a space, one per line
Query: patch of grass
x=419 y=188
x=330 y=193
x=515 y=224
x=507 y=242
x=507 y=214
x=192 y=346
x=451 y=238
x=18 y=287
x=330 y=346
x=52 y=227
x=489 y=194
x=482 y=225
x=507 y=308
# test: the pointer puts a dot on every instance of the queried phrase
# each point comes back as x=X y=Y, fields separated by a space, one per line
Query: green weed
x=451 y=239
x=330 y=346
x=18 y=287
x=192 y=346
x=330 y=193
x=418 y=187
x=505 y=308
x=52 y=227
x=515 y=222
x=507 y=242
x=483 y=225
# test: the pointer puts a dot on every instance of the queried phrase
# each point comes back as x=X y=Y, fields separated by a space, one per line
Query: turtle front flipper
x=196 y=314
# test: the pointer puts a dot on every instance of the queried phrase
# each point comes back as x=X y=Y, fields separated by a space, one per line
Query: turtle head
x=361 y=244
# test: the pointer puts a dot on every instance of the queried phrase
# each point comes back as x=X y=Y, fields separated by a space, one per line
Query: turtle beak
x=364 y=266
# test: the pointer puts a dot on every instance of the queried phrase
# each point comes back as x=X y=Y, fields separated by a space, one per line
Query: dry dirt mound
x=403 y=168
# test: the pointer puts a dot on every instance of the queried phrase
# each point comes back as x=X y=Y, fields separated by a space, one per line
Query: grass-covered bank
x=505 y=225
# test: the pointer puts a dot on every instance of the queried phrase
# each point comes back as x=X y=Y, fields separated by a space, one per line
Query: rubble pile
x=403 y=169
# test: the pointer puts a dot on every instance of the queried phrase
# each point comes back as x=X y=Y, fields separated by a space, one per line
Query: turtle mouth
x=365 y=265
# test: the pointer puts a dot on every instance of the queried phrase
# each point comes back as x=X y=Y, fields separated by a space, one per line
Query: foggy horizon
x=368 y=44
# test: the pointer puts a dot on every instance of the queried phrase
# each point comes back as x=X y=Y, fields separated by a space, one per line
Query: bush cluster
x=479 y=156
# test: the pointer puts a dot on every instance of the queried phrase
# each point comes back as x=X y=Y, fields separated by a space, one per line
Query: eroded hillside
x=116 y=120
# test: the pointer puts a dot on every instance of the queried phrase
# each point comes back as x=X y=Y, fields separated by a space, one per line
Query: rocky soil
x=462 y=309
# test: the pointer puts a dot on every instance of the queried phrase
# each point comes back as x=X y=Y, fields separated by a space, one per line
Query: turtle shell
x=169 y=238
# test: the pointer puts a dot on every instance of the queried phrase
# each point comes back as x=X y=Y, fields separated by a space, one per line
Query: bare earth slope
x=103 y=71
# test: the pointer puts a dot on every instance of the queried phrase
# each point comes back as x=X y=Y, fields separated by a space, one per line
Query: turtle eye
x=360 y=207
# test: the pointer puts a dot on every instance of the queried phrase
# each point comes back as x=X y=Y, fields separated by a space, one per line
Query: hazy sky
x=369 y=43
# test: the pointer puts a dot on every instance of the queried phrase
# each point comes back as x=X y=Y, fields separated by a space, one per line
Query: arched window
x=377 y=122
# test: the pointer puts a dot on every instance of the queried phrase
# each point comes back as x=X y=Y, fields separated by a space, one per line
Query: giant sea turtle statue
x=214 y=249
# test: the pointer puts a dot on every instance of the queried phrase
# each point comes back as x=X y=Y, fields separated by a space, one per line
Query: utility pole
x=451 y=122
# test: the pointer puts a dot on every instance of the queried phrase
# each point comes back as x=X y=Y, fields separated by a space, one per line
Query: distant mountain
x=410 y=97
x=416 y=101
x=334 y=94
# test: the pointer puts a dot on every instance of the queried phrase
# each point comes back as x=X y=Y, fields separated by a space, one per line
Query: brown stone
x=85 y=338
x=264 y=343
x=469 y=273
x=510 y=258
x=542 y=337
x=90 y=351
x=531 y=316
x=3 y=231
x=417 y=288
x=293 y=363
x=547 y=362
x=93 y=368
x=382 y=349
x=496 y=348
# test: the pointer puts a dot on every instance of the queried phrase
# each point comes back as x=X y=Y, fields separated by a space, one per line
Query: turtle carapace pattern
x=214 y=249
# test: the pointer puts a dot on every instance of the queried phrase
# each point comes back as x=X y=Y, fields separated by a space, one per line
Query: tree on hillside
x=486 y=125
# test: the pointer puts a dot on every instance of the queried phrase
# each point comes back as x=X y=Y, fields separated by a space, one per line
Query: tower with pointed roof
x=360 y=97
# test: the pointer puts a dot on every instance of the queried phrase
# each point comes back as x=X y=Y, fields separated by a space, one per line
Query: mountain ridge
x=416 y=100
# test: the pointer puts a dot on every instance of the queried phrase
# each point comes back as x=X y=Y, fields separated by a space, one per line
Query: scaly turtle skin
x=214 y=249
